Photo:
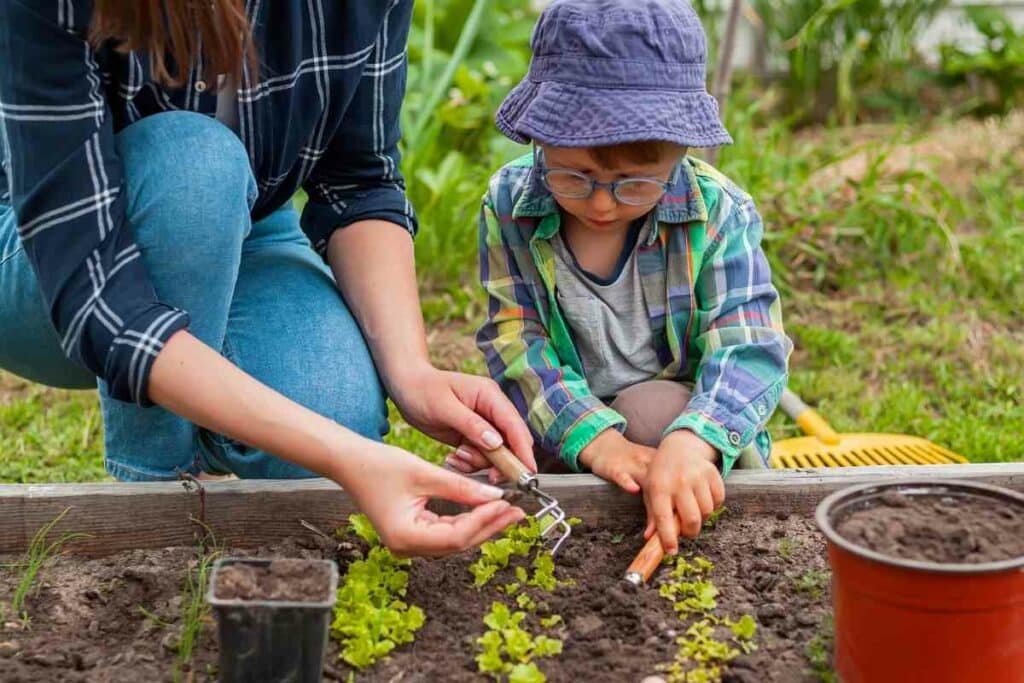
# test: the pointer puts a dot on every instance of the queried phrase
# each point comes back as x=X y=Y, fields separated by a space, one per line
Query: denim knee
x=191 y=175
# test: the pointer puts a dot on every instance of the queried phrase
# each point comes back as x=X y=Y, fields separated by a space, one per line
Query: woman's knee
x=188 y=177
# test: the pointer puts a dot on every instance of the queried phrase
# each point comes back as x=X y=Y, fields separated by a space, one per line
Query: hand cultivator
x=551 y=515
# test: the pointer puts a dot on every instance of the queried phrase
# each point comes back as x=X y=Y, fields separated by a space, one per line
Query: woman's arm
x=194 y=381
x=374 y=266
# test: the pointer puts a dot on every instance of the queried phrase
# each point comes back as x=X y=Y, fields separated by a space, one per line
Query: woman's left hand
x=462 y=410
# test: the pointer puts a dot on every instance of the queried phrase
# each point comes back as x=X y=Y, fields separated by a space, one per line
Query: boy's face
x=601 y=212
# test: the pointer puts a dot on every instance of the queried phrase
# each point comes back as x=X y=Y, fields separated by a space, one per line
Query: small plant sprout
x=701 y=655
x=38 y=554
x=812 y=582
x=819 y=652
x=507 y=649
x=495 y=555
x=786 y=547
x=370 y=617
x=713 y=518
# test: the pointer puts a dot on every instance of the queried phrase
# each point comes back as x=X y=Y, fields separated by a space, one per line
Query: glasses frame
x=612 y=187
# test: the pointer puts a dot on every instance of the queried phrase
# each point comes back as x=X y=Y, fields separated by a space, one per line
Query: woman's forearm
x=373 y=263
x=192 y=380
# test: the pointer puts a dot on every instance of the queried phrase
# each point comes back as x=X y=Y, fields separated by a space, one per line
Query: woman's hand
x=462 y=410
x=390 y=485
x=683 y=488
x=398 y=511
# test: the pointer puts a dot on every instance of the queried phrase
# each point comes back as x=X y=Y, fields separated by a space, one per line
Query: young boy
x=632 y=319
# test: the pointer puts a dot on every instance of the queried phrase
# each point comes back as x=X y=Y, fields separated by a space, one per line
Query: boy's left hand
x=683 y=488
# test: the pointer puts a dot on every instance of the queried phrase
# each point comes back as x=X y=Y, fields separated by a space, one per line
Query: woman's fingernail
x=491 y=491
x=463 y=454
x=450 y=461
x=491 y=439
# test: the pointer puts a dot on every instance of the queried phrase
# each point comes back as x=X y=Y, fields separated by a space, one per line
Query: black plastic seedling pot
x=269 y=640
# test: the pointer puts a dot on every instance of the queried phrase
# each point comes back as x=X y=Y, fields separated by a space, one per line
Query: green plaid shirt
x=715 y=314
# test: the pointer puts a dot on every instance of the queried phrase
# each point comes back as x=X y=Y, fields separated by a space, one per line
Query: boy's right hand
x=613 y=457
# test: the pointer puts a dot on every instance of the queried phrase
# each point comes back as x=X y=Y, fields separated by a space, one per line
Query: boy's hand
x=613 y=457
x=682 y=484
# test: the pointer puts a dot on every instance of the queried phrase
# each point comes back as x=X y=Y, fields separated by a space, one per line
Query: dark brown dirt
x=281 y=581
x=86 y=623
x=952 y=530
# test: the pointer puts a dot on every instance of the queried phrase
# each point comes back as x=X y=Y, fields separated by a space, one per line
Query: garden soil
x=938 y=529
x=117 y=619
x=287 y=580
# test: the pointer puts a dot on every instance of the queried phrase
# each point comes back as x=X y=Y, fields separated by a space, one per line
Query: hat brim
x=566 y=115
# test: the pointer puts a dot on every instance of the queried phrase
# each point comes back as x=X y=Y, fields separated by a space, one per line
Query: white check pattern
x=332 y=76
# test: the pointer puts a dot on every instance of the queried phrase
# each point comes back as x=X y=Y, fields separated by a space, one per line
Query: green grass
x=40 y=551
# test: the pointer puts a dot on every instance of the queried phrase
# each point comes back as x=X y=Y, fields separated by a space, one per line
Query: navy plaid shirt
x=322 y=115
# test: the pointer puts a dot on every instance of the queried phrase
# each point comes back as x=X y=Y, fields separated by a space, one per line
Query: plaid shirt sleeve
x=744 y=351
x=358 y=177
x=554 y=400
x=67 y=190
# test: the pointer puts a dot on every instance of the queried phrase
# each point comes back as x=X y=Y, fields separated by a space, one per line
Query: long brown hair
x=177 y=33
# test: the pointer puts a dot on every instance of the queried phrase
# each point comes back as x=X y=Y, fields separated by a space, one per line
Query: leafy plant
x=495 y=555
x=701 y=655
x=786 y=547
x=998 y=65
x=508 y=648
x=370 y=617
x=812 y=581
x=819 y=652
x=836 y=50
x=40 y=550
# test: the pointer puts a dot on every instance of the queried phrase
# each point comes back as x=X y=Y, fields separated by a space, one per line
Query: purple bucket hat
x=606 y=72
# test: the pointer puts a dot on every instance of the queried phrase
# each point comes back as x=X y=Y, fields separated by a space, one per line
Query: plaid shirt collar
x=683 y=203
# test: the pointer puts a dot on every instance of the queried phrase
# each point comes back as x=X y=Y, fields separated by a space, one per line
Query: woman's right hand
x=392 y=487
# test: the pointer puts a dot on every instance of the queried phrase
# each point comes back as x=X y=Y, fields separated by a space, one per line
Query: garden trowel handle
x=511 y=467
x=808 y=419
x=646 y=561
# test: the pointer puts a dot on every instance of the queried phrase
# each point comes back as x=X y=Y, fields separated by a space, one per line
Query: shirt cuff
x=132 y=352
x=320 y=220
x=577 y=424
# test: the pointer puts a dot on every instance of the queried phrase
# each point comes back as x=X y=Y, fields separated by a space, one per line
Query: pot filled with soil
x=273 y=617
x=927 y=581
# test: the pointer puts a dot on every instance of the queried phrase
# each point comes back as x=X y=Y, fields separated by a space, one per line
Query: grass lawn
x=899 y=255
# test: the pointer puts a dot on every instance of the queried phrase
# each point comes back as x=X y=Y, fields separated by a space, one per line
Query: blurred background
x=883 y=142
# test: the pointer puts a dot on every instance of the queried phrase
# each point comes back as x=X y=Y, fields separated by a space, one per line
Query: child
x=632 y=319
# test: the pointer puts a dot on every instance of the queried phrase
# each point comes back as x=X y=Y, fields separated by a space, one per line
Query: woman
x=147 y=238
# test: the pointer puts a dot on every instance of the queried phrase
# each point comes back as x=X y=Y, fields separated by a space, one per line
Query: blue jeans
x=255 y=291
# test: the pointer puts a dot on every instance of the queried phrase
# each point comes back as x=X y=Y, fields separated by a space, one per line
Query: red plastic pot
x=903 y=620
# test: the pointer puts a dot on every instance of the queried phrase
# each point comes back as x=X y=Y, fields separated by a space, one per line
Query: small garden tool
x=823 y=447
x=551 y=516
x=646 y=561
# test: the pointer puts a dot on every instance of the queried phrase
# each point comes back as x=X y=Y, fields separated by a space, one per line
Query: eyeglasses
x=566 y=182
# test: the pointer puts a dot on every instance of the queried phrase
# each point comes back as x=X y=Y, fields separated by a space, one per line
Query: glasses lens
x=639 y=191
x=568 y=183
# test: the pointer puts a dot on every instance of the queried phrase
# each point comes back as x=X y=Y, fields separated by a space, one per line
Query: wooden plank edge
x=121 y=516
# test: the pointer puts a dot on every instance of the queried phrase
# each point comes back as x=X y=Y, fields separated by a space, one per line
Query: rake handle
x=508 y=464
x=808 y=419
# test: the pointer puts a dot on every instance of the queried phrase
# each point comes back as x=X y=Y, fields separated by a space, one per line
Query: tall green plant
x=836 y=49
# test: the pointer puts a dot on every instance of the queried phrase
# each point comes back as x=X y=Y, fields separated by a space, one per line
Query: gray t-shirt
x=608 y=321
x=227 y=102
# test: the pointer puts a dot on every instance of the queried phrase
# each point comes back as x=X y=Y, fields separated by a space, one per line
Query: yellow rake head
x=826 y=448
x=854 y=450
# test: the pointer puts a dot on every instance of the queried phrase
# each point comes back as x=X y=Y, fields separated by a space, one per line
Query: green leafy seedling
x=370 y=618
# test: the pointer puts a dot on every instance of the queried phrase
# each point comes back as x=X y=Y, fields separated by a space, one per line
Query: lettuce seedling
x=509 y=649
x=370 y=617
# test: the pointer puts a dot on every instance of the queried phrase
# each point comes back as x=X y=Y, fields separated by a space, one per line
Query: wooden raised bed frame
x=123 y=516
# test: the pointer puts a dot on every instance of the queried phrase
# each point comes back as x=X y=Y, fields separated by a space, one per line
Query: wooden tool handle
x=507 y=463
x=647 y=560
